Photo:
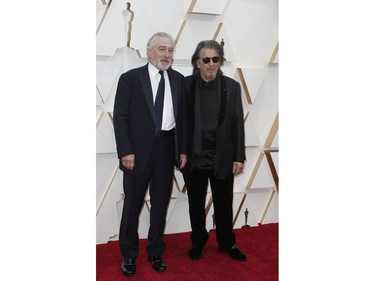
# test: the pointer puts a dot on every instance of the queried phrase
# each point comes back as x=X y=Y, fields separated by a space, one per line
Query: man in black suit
x=149 y=130
x=216 y=150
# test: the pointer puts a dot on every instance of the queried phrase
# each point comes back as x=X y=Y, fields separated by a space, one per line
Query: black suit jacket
x=133 y=117
x=230 y=141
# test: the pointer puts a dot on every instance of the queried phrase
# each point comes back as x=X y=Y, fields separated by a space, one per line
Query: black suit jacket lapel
x=146 y=87
x=223 y=100
x=174 y=90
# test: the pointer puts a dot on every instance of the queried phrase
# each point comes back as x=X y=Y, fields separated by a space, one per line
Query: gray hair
x=152 y=41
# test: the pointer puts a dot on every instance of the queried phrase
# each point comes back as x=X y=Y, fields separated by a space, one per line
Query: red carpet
x=260 y=244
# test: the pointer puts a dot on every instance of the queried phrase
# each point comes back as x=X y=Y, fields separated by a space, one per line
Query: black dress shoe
x=128 y=267
x=195 y=253
x=157 y=263
x=234 y=253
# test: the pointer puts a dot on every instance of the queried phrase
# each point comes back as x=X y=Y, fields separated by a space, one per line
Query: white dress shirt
x=168 y=122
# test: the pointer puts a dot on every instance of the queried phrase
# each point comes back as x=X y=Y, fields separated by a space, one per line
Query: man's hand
x=128 y=161
x=237 y=168
x=183 y=161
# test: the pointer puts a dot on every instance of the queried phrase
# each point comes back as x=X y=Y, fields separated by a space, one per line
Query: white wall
x=249 y=29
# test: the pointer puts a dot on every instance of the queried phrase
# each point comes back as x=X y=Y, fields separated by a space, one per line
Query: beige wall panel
x=238 y=203
x=108 y=208
x=185 y=69
x=108 y=228
x=105 y=136
x=109 y=70
x=100 y=10
x=229 y=70
x=275 y=142
x=222 y=37
x=106 y=166
x=99 y=99
x=180 y=180
x=263 y=178
x=271 y=214
x=111 y=33
x=176 y=193
x=256 y=25
x=107 y=73
x=193 y=33
x=251 y=137
x=255 y=202
x=276 y=59
x=275 y=160
x=275 y=55
x=207 y=7
x=253 y=79
x=240 y=181
x=179 y=214
x=152 y=16
x=266 y=104
x=99 y=115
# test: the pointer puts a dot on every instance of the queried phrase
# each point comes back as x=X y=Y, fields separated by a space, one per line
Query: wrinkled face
x=208 y=68
x=161 y=54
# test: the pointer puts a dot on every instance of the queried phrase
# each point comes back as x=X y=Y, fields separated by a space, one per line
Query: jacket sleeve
x=121 y=113
x=238 y=125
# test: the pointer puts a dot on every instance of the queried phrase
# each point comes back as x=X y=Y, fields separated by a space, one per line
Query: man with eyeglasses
x=216 y=150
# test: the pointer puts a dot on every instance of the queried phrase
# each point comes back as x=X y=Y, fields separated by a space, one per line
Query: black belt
x=164 y=133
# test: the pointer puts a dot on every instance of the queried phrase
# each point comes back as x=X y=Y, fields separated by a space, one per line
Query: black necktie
x=159 y=103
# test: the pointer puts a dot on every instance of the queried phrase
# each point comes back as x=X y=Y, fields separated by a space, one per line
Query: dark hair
x=209 y=44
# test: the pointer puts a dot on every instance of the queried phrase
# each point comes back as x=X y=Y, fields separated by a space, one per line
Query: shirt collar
x=212 y=85
x=152 y=70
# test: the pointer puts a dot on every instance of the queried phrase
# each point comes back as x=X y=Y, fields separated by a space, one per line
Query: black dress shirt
x=208 y=104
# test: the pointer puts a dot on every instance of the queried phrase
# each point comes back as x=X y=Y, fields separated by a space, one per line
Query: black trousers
x=222 y=193
x=158 y=176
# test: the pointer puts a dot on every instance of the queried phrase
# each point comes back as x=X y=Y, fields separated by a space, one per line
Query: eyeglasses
x=206 y=60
